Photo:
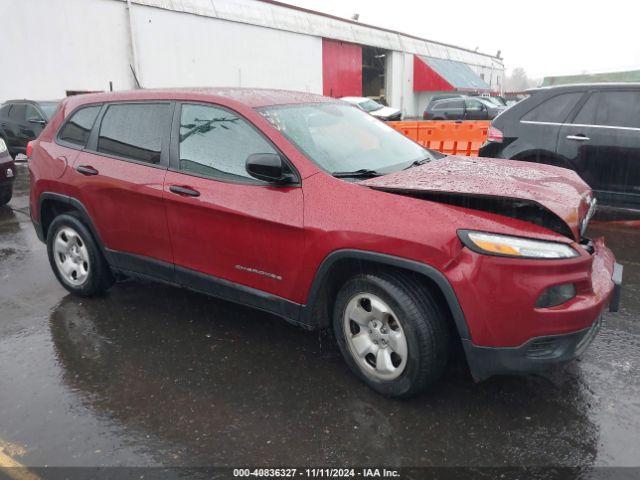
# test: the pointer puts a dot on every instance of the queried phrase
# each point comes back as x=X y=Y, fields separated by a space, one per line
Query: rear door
x=225 y=224
x=543 y=122
x=119 y=178
x=603 y=142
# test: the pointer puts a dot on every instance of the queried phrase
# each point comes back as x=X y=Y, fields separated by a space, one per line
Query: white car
x=374 y=108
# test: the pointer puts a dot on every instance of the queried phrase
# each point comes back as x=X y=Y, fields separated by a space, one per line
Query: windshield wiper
x=363 y=172
x=417 y=163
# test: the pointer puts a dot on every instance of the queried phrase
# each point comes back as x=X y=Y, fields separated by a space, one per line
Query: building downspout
x=133 y=65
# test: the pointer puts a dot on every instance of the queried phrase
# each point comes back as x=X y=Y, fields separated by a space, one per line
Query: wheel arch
x=340 y=265
x=50 y=205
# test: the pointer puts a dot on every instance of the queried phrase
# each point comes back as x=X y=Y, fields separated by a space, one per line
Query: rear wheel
x=75 y=257
x=392 y=333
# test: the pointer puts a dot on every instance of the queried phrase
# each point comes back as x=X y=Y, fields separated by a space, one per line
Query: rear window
x=554 y=110
x=77 y=129
x=134 y=131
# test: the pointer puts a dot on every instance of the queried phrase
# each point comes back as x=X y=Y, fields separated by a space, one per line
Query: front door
x=603 y=142
x=224 y=224
x=119 y=180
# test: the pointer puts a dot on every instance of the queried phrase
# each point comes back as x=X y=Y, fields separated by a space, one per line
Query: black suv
x=22 y=121
x=593 y=129
x=461 y=108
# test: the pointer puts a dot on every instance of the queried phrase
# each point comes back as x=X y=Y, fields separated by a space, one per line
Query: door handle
x=579 y=138
x=186 y=191
x=87 y=170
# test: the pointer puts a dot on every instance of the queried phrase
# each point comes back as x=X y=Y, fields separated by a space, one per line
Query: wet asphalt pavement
x=152 y=375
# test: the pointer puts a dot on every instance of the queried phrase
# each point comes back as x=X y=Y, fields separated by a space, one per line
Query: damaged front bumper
x=540 y=353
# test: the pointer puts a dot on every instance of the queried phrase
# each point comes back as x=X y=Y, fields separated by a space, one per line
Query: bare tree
x=519 y=81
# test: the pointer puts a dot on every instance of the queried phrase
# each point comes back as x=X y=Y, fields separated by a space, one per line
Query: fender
x=76 y=204
x=382 y=259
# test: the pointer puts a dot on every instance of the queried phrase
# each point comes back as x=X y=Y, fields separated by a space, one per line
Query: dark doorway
x=373 y=72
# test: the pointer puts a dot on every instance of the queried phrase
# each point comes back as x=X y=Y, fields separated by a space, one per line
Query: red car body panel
x=265 y=224
x=284 y=233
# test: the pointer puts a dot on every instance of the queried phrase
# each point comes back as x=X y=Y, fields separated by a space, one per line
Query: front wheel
x=75 y=257
x=392 y=332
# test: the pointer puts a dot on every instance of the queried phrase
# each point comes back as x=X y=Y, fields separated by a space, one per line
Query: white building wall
x=85 y=44
x=176 y=49
x=51 y=46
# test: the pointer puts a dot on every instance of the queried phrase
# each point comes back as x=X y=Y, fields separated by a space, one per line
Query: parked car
x=7 y=174
x=308 y=208
x=462 y=108
x=22 y=121
x=593 y=129
x=374 y=108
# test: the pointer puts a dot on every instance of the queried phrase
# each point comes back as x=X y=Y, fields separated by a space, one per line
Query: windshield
x=370 y=105
x=48 y=108
x=342 y=138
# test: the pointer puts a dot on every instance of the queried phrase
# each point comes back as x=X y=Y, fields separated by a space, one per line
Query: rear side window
x=216 y=143
x=77 y=129
x=4 y=111
x=445 y=104
x=554 y=110
x=134 y=131
x=587 y=114
x=619 y=109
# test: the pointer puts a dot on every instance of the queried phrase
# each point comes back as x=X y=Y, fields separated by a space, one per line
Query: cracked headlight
x=507 y=246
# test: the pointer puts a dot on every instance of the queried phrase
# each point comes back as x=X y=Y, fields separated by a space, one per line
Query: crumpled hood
x=557 y=190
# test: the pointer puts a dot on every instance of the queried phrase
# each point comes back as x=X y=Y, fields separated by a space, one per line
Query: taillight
x=495 y=135
x=29 y=149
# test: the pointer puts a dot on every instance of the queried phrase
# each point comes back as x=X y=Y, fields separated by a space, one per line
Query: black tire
x=99 y=277
x=423 y=321
x=5 y=195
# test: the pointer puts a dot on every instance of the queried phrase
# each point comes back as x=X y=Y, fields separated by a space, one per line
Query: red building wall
x=341 y=69
x=425 y=79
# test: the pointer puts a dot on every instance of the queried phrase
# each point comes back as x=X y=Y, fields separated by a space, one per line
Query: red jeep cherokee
x=308 y=208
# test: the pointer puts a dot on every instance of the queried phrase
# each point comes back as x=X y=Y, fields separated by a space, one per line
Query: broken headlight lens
x=507 y=246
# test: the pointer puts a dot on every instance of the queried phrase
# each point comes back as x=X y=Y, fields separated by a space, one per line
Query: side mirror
x=269 y=167
x=37 y=121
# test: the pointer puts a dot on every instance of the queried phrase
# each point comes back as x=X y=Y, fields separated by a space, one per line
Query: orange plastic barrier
x=451 y=137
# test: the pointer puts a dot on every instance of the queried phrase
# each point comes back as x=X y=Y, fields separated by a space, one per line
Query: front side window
x=215 y=142
x=33 y=113
x=473 y=104
x=18 y=112
x=77 y=129
x=554 y=110
x=134 y=131
x=449 y=104
x=342 y=138
x=48 y=108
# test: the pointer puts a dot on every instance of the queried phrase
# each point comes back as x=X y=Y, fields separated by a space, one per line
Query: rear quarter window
x=555 y=109
x=76 y=130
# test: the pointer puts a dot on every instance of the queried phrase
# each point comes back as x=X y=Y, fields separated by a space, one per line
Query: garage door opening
x=373 y=73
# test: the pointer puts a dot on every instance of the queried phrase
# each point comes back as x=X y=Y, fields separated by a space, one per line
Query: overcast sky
x=545 y=37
